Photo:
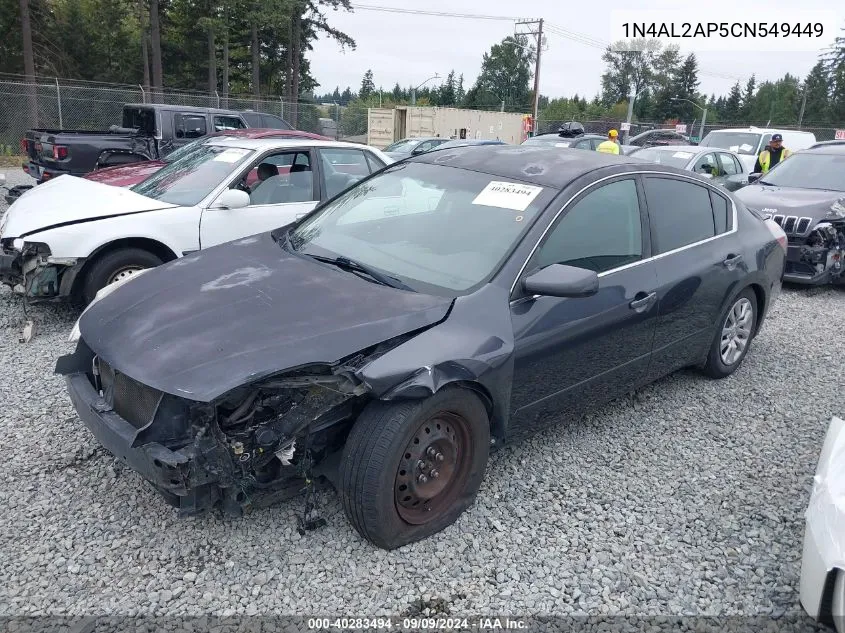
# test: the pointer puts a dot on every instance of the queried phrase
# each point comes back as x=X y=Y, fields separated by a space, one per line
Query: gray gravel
x=687 y=500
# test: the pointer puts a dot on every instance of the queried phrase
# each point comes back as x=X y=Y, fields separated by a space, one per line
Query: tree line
x=226 y=46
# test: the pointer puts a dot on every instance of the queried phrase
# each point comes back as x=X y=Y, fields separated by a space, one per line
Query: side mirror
x=754 y=177
x=231 y=199
x=559 y=280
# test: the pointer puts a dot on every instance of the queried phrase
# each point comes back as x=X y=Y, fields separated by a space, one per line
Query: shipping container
x=387 y=125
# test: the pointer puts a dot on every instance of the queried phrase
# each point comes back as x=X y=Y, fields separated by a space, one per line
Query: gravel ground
x=687 y=500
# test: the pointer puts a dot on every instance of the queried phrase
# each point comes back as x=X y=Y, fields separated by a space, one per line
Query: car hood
x=205 y=324
x=813 y=203
x=126 y=175
x=68 y=200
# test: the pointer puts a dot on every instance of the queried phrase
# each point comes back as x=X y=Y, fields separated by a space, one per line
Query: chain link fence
x=69 y=104
x=822 y=131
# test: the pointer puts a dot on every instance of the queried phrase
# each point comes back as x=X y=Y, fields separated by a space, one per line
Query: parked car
x=468 y=142
x=70 y=237
x=264 y=120
x=132 y=174
x=147 y=132
x=750 y=141
x=805 y=194
x=413 y=146
x=723 y=167
x=658 y=138
x=828 y=143
x=452 y=299
x=823 y=561
x=585 y=141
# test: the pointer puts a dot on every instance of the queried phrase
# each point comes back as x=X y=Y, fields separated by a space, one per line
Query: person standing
x=611 y=145
x=771 y=155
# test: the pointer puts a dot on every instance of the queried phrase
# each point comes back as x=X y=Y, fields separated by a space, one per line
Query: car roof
x=692 y=149
x=759 y=130
x=270 y=143
x=545 y=166
x=657 y=129
x=833 y=148
x=170 y=107
x=827 y=143
x=265 y=132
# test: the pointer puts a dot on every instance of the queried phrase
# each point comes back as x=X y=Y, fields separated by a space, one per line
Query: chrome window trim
x=694 y=180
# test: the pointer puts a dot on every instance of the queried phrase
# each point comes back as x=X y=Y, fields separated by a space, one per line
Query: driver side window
x=601 y=231
x=707 y=165
x=280 y=178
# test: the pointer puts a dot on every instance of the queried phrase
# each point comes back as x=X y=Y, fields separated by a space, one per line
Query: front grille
x=792 y=224
x=134 y=402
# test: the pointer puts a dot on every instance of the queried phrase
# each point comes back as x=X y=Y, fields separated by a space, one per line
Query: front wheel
x=116 y=266
x=410 y=469
x=734 y=332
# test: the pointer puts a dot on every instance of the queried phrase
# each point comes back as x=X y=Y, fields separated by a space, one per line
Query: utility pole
x=803 y=105
x=539 y=34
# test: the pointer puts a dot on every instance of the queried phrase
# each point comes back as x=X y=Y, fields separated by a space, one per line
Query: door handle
x=731 y=261
x=642 y=301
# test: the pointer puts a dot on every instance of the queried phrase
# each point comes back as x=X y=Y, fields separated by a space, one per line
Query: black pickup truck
x=148 y=132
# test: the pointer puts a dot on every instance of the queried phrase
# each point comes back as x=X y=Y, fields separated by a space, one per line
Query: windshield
x=739 y=142
x=175 y=155
x=664 y=157
x=403 y=145
x=809 y=171
x=436 y=228
x=191 y=178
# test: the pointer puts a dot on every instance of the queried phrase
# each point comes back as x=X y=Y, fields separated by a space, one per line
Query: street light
x=703 y=116
x=414 y=90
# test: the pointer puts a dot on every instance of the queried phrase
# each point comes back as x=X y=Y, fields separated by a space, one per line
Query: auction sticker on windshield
x=682 y=155
x=745 y=147
x=507 y=195
x=231 y=155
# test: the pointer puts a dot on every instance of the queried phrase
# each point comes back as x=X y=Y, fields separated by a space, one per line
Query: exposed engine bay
x=825 y=248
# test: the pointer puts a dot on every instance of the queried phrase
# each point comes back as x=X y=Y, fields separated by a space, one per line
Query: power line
x=439 y=14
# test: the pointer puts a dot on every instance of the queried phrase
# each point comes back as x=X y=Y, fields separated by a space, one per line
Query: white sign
x=682 y=155
x=500 y=125
x=745 y=147
x=507 y=195
x=839 y=135
x=681 y=128
x=564 y=144
x=625 y=126
x=231 y=155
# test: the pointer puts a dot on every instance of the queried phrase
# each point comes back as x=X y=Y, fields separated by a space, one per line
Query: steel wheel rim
x=433 y=468
x=736 y=331
x=123 y=273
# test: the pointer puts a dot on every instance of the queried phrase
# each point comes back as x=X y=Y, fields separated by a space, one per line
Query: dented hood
x=69 y=199
x=227 y=316
x=813 y=203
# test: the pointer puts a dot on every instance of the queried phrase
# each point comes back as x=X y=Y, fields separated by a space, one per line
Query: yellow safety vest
x=608 y=147
x=766 y=158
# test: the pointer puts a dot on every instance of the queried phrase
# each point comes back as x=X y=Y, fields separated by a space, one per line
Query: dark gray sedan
x=723 y=167
x=445 y=304
x=805 y=194
x=413 y=146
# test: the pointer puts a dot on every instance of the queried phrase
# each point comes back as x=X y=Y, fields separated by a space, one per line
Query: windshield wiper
x=763 y=182
x=350 y=264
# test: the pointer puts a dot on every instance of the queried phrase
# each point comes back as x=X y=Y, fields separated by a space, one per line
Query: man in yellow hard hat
x=611 y=145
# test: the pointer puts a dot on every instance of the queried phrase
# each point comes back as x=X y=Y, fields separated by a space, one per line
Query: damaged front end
x=816 y=253
x=250 y=448
x=29 y=268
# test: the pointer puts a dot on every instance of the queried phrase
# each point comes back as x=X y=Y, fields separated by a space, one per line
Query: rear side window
x=680 y=213
x=223 y=123
x=720 y=213
x=190 y=125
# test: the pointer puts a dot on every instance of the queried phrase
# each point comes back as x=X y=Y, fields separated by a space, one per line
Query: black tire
x=717 y=366
x=107 y=266
x=379 y=448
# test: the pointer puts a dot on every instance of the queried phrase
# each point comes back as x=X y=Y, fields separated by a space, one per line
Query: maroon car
x=133 y=173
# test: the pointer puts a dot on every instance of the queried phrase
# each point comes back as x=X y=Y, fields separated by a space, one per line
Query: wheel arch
x=159 y=249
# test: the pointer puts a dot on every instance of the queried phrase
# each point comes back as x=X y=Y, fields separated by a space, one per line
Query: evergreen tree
x=460 y=93
x=447 y=91
x=817 y=92
x=368 y=86
x=733 y=104
x=748 y=97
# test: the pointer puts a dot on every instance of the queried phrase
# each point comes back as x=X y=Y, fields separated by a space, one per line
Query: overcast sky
x=411 y=48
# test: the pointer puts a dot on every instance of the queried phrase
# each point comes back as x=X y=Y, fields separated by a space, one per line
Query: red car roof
x=133 y=173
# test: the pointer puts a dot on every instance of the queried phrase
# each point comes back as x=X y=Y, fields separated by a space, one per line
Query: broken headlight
x=837 y=209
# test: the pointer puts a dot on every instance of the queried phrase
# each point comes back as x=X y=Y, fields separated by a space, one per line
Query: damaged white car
x=70 y=237
x=823 y=563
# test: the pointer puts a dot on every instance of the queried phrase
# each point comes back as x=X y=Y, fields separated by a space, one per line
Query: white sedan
x=70 y=237
x=823 y=562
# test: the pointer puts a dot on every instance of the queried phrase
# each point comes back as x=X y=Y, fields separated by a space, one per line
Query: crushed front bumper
x=815 y=272
x=36 y=273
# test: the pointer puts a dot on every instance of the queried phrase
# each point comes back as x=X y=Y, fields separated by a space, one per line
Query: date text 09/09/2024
x=723 y=29
x=418 y=623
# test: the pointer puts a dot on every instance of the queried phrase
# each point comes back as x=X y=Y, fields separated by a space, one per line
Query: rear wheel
x=734 y=332
x=116 y=266
x=410 y=469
